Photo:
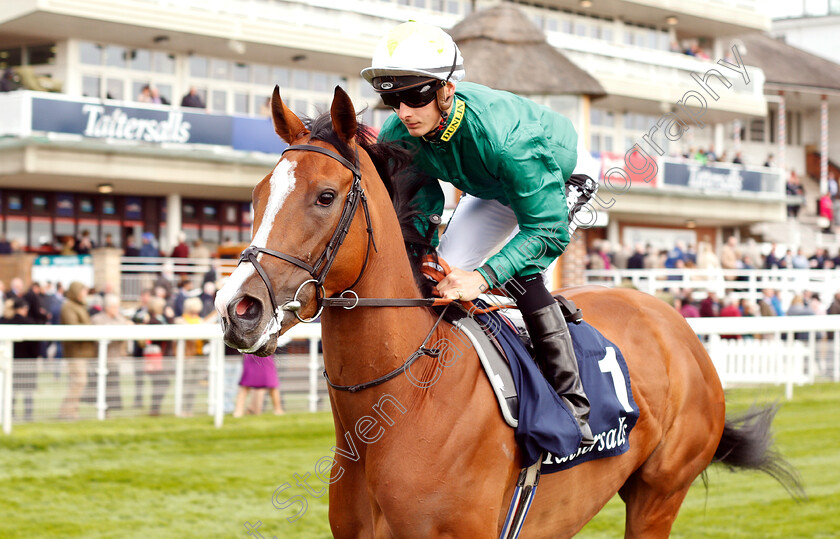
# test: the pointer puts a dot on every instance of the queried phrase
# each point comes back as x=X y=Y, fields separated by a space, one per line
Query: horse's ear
x=286 y=123
x=343 y=115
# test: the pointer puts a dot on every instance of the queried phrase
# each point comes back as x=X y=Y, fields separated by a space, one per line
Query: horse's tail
x=747 y=443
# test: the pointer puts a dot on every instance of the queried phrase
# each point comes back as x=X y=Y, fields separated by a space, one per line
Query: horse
x=437 y=460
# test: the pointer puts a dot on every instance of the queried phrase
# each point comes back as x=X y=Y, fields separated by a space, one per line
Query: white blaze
x=282 y=183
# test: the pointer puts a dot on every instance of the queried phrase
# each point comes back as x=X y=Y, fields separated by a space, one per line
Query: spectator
x=258 y=373
x=9 y=82
x=706 y=258
x=836 y=259
x=192 y=99
x=765 y=304
x=149 y=246
x=798 y=308
x=141 y=316
x=24 y=353
x=78 y=353
x=145 y=94
x=795 y=194
x=208 y=299
x=730 y=309
x=686 y=308
x=193 y=349
x=165 y=280
x=737 y=160
x=5 y=246
x=832 y=185
x=265 y=108
x=826 y=213
x=83 y=244
x=772 y=261
x=184 y=292
x=109 y=241
x=131 y=247
x=15 y=288
x=200 y=251
x=710 y=307
x=154 y=354
x=182 y=250
x=834 y=308
x=711 y=156
x=799 y=261
x=111 y=316
x=746 y=308
x=729 y=256
x=637 y=260
x=770 y=162
x=817 y=260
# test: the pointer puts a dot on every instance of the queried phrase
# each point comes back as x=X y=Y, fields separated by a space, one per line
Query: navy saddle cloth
x=546 y=427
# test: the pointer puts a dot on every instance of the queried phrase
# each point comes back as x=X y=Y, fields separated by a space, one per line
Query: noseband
x=322 y=265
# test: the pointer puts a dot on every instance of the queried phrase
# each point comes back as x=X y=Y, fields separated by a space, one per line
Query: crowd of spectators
x=734 y=255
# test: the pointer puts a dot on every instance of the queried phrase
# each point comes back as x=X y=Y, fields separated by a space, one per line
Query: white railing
x=747 y=284
x=770 y=358
x=103 y=335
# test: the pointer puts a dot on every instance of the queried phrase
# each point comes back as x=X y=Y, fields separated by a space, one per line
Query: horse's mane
x=401 y=179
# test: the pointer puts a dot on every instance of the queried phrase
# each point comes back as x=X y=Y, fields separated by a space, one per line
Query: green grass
x=167 y=477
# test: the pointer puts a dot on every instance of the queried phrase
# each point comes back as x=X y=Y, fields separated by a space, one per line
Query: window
x=141 y=59
x=219 y=101
x=163 y=62
x=42 y=54
x=114 y=89
x=241 y=72
x=198 y=66
x=90 y=86
x=757 y=130
x=280 y=77
x=90 y=53
x=262 y=74
x=300 y=79
x=115 y=56
x=240 y=103
x=11 y=57
x=595 y=143
x=319 y=82
x=219 y=69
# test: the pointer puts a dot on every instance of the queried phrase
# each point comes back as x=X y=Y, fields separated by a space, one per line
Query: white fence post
x=179 y=377
x=313 y=374
x=211 y=378
x=836 y=356
x=220 y=383
x=6 y=366
x=101 y=373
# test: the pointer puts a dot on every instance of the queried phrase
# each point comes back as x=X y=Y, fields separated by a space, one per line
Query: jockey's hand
x=462 y=285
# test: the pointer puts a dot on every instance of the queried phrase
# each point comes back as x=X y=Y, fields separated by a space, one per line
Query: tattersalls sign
x=119 y=125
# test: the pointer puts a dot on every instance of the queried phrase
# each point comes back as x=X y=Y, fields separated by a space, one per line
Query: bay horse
x=447 y=463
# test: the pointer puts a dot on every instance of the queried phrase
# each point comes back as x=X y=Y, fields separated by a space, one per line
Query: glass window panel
x=403 y=2
x=90 y=53
x=280 y=76
x=86 y=205
x=115 y=56
x=90 y=86
x=241 y=72
x=191 y=232
x=41 y=232
x=64 y=228
x=112 y=228
x=109 y=207
x=608 y=143
x=609 y=119
x=595 y=116
x=240 y=103
x=452 y=6
x=607 y=34
x=163 y=62
x=566 y=26
x=210 y=234
x=165 y=93
x=188 y=210
x=40 y=204
x=209 y=212
x=595 y=143
x=319 y=82
x=628 y=37
x=640 y=39
x=300 y=107
x=420 y=3
x=198 y=66
x=114 y=89
x=219 y=103
x=580 y=29
x=262 y=74
x=219 y=69
x=141 y=59
x=42 y=54
x=551 y=25
x=262 y=105
x=300 y=79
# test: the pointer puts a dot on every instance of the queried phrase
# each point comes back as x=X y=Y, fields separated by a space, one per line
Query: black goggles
x=416 y=97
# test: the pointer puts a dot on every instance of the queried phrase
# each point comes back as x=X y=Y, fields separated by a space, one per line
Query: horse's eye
x=326 y=198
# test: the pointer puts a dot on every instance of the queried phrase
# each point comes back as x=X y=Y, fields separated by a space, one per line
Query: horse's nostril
x=248 y=309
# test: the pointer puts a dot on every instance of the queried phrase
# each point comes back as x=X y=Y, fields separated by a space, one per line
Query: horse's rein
x=322 y=266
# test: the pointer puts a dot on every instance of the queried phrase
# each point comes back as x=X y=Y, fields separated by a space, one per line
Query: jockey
x=511 y=158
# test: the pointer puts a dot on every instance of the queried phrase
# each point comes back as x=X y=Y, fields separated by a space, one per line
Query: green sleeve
x=534 y=177
x=429 y=201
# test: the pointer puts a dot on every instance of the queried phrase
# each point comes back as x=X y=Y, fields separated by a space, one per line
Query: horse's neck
x=364 y=343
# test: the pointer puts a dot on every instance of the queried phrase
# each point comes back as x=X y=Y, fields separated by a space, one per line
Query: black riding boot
x=556 y=358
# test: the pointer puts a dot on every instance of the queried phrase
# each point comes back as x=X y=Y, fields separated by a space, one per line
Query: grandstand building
x=79 y=151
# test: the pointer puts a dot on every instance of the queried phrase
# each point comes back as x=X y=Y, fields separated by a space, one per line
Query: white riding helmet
x=416 y=49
